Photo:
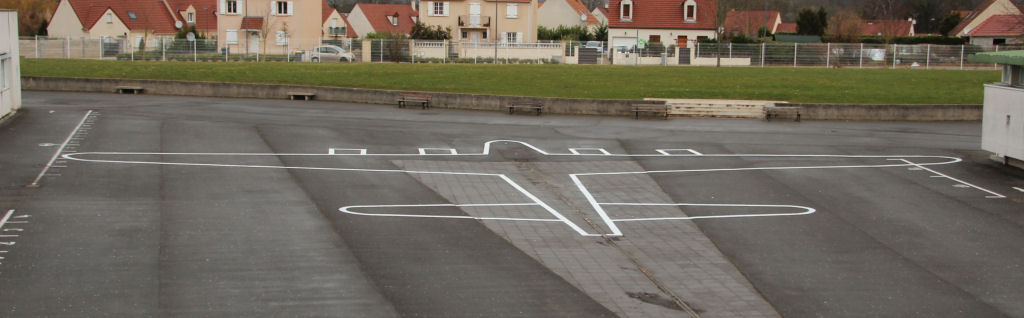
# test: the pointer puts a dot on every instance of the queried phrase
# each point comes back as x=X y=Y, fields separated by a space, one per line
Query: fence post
x=861 y=56
x=764 y=45
x=828 y=55
x=995 y=66
x=730 y=49
x=381 y=50
x=928 y=58
x=895 y=48
x=195 y=51
x=962 y=47
x=67 y=47
x=794 y=54
x=131 y=48
x=163 y=50
x=37 y=46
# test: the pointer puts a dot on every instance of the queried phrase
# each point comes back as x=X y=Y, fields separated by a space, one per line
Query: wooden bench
x=537 y=107
x=128 y=89
x=657 y=109
x=302 y=95
x=782 y=112
x=406 y=98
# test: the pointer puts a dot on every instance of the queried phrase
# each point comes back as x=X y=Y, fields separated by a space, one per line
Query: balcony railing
x=474 y=21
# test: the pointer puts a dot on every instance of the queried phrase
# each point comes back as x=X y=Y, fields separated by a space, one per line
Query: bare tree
x=844 y=27
x=33 y=15
x=269 y=24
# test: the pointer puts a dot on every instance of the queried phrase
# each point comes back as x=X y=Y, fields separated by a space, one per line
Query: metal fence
x=832 y=55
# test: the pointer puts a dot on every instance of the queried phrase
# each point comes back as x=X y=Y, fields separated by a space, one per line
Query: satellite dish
x=177 y=24
x=191 y=36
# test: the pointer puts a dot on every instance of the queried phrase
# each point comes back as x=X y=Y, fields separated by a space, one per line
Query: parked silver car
x=326 y=53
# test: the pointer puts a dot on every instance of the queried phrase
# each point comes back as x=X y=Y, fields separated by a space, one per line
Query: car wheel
x=344 y=59
x=315 y=59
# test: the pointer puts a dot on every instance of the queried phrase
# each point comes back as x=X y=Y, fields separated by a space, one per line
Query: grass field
x=809 y=85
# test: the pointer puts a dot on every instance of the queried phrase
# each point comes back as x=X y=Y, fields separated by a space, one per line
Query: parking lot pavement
x=173 y=206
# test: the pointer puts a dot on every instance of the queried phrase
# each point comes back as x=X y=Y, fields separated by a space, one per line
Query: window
x=232 y=7
x=513 y=37
x=110 y=17
x=334 y=23
x=512 y=10
x=281 y=7
x=465 y=35
x=691 y=11
x=393 y=19
x=231 y=36
x=131 y=15
x=282 y=38
x=191 y=17
x=626 y=10
x=654 y=39
x=440 y=9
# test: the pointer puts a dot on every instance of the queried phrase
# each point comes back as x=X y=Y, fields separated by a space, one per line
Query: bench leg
x=637 y=115
x=797 y=116
x=401 y=104
x=538 y=111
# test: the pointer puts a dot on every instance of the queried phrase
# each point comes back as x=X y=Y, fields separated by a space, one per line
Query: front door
x=681 y=42
x=254 y=42
x=474 y=14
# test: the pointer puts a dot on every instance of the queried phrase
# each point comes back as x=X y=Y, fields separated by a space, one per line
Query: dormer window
x=626 y=10
x=393 y=19
x=690 y=8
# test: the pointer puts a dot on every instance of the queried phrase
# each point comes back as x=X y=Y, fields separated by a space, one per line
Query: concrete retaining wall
x=889 y=112
x=353 y=95
x=483 y=102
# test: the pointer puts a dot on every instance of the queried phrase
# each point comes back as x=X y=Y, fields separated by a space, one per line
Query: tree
x=422 y=31
x=810 y=22
x=884 y=9
x=33 y=15
x=844 y=27
x=601 y=33
x=949 y=23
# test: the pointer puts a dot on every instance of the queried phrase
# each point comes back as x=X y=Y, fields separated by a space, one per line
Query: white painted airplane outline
x=597 y=206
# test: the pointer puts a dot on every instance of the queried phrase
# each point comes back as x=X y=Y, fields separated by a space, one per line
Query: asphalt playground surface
x=161 y=206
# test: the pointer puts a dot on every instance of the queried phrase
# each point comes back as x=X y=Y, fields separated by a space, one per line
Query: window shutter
x=273 y=8
x=223 y=5
x=446 y=8
x=291 y=7
x=504 y=37
x=430 y=8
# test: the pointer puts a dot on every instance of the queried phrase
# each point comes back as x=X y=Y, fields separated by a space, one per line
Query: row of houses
x=249 y=25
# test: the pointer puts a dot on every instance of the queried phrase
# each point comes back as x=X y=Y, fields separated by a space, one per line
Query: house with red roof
x=513 y=21
x=270 y=26
x=1002 y=29
x=553 y=13
x=985 y=11
x=887 y=28
x=367 y=18
x=748 y=22
x=668 y=22
x=109 y=19
x=786 y=28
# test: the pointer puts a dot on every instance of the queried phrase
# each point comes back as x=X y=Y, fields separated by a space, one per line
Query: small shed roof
x=1004 y=57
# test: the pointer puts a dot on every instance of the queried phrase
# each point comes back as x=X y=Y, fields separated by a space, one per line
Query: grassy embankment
x=811 y=85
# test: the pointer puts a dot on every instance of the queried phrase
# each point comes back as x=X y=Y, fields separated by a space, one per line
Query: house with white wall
x=983 y=12
x=367 y=18
x=10 y=67
x=601 y=14
x=668 y=22
x=553 y=13
x=514 y=21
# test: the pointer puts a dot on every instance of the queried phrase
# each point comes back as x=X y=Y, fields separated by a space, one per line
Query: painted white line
x=669 y=152
x=7 y=217
x=348 y=209
x=447 y=152
x=14 y=230
x=601 y=151
x=548 y=208
x=347 y=151
x=806 y=211
x=8 y=235
x=941 y=175
x=35 y=183
x=597 y=207
x=7 y=243
x=1018 y=189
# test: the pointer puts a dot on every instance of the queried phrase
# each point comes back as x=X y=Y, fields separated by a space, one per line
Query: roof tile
x=663 y=14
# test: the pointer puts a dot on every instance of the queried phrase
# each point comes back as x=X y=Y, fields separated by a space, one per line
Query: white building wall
x=1003 y=121
x=10 y=75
